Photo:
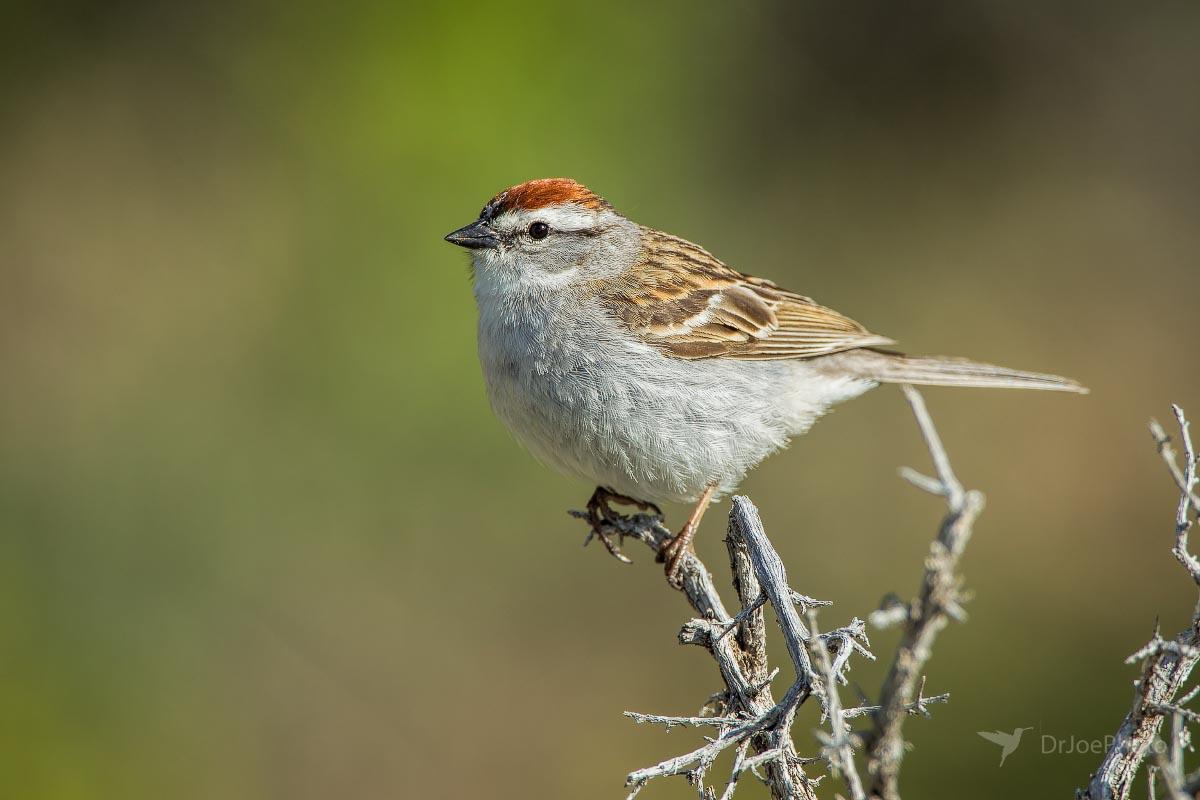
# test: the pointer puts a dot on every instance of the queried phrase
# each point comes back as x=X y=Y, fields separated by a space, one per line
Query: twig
x=697 y=582
x=920 y=706
x=684 y=722
x=748 y=721
x=947 y=484
x=839 y=745
x=844 y=641
x=751 y=719
x=769 y=569
x=1182 y=523
x=1167 y=452
x=784 y=774
x=938 y=601
x=740 y=765
x=752 y=629
x=697 y=762
x=1166 y=665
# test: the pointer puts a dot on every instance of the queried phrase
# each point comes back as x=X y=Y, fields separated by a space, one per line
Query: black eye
x=539 y=230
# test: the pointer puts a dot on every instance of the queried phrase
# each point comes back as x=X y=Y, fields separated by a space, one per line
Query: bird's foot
x=604 y=520
x=674 y=551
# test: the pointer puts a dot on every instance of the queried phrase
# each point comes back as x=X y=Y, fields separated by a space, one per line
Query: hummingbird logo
x=1007 y=741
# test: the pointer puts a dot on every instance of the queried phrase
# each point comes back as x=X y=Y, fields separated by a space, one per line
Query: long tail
x=888 y=367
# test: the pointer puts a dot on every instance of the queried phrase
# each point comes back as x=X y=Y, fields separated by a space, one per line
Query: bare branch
x=1166 y=666
x=740 y=765
x=697 y=762
x=751 y=721
x=1167 y=452
x=949 y=486
x=1182 y=523
x=684 y=722
x=752 y=635
x=844 y=641
x=769 y=569
x=748 y=721
x=891 y=612
x=839 y=746
x=938 y=601
x=920 y=706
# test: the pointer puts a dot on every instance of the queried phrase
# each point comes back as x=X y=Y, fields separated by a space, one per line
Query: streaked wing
x=683 y=300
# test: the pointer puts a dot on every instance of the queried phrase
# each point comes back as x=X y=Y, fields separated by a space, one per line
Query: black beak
x=475 y=236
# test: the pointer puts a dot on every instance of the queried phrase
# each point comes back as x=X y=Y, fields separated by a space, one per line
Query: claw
x=602 y=518
x=612 y=547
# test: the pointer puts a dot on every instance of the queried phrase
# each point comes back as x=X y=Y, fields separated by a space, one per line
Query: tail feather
x=887 y=367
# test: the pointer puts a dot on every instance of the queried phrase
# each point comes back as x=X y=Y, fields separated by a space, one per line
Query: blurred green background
x=262 y=537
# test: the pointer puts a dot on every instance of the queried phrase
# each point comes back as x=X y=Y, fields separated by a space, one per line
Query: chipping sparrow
x=637 y=361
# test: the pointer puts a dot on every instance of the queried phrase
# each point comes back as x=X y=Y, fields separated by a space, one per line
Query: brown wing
x=683 y=300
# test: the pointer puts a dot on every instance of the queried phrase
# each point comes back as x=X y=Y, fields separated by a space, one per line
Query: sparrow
x=639 y=362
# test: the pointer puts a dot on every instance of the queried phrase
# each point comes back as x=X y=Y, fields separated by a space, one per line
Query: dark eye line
x=589 y=233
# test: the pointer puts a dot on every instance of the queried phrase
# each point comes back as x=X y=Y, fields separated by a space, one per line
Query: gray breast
x=594 y=403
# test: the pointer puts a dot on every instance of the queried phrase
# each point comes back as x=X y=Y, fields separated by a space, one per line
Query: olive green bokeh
x=262 y=536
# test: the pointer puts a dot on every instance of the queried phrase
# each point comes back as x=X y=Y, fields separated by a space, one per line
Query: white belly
x=611 y=411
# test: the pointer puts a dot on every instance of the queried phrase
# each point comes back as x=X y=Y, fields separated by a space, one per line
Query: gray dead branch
x=1158 y=692
x=745 y=719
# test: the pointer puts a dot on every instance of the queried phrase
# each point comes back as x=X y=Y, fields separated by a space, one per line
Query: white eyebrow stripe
x=568 y=217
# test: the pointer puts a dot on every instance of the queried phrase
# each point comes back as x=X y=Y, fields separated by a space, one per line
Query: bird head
x=547 y=232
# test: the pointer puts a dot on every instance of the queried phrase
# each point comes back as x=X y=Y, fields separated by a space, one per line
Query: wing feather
x=682 y=299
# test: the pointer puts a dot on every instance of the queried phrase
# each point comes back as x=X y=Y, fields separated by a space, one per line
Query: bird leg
x=601 y=514
x=674 y=551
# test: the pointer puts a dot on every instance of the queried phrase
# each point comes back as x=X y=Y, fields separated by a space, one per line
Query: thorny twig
x=741 y=660
x=749 y=723
x=938 y=601
x=1166 y=666
x=918 y=707
x=1169 y=457
x=840 y=743
x=769 y=729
